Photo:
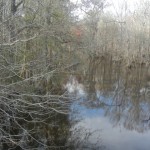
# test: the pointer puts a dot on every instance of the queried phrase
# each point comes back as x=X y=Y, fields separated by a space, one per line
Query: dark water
x=105 y=105
x=112 y=108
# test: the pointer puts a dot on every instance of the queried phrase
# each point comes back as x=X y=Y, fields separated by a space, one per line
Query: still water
x=103 y=105
x=112 y=107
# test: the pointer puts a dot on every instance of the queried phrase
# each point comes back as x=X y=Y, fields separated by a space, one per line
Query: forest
x=42 y=42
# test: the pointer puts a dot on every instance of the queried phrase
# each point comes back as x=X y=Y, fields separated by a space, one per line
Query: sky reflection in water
x=122 y=123
x=114 y=138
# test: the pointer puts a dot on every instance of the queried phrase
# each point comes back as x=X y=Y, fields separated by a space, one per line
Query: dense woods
x=41 y=42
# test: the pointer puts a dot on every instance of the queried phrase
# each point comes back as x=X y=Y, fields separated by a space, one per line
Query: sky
x=116 y=2
x=115 y=6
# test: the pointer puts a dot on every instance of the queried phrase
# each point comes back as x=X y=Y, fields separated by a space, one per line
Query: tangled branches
x=29 y=121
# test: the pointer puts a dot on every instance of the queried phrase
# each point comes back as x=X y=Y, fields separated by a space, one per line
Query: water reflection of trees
x=36 y=119
x=81 y=139
x=122 y=92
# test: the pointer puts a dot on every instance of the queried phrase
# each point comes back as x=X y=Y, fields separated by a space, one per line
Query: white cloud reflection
x=116 y=138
